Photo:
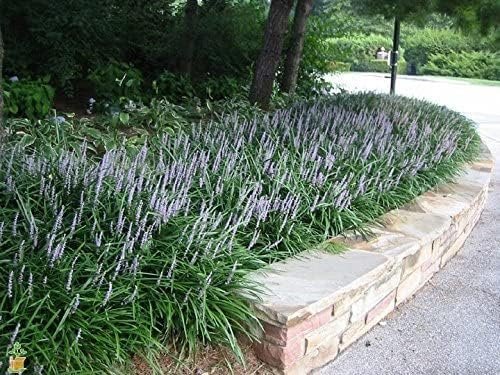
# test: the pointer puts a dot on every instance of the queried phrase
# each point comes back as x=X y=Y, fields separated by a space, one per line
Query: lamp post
x=394 y=55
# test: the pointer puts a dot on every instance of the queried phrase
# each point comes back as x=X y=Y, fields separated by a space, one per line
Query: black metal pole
x=394 y=55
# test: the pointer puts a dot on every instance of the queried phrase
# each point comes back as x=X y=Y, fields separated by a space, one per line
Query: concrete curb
x=317 y=305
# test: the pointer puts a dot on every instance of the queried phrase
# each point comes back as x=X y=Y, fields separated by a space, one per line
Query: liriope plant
x=134 y=252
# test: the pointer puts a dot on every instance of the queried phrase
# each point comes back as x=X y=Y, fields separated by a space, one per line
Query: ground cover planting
x=131 y=251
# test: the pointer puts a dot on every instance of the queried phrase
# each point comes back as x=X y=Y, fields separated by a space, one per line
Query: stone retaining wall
x=319 y=304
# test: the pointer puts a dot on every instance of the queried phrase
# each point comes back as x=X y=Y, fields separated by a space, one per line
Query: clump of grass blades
x=105 y=257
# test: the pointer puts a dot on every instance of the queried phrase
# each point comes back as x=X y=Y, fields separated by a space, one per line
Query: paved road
x=452 y=326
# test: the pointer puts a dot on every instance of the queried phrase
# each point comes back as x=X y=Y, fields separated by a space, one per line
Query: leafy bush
x=357 y=49
x=159 y=114
x=315 y=57
x=173 y=87
x=177 y=87
x=116 y=80
x=85 y=36
x=32 y=99
x=79 y=36
x=229 y=38
x=338 y=66
x=102 y=133
x=473 y=64
x=222 y=87
x=380 y=66
x=419 y=46
x=104 y=257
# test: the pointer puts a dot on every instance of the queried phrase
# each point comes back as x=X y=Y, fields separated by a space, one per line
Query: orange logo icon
x=16 y=359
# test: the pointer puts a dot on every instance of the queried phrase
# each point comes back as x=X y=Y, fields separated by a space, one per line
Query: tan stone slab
x=467 y=188
x=301 y=287
x=474 y=176
x=420 y=225
x=442 y=204
x=383 y=241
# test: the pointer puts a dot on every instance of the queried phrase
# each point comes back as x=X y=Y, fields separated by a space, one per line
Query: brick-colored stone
x=280 y=335
x=308 y=325
x=280 y=356
x=376 y=293
x=322 y=354
x=383 y=308
x=274 y=334
x=326 y=333
x=358 y=328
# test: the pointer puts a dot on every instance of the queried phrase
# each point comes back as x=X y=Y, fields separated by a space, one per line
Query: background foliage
x=356 y=38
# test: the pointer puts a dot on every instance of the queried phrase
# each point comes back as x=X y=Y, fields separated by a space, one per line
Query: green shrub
x=106 y=256
x=483 y=65
x=379 y=66
x=420 y=45
x=83 y=36
x=158 y=114
x=114 y=81
x=222 y=87
x=358 y=48
x=179 y=88
x=174 y=87
x=229 y=38
x=339 y=66
x=32 y=99
x=315 y=57
x=359 y=52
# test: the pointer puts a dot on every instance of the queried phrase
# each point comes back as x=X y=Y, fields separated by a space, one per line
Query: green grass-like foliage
x=127 y=252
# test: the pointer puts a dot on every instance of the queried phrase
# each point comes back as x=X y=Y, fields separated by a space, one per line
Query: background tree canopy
x=66 y=39
x=208 y=49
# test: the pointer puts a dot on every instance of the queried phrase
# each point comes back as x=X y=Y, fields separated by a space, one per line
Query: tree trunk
x=294 y=54
x=268 y=60
x=1 y=84
x=189 y=37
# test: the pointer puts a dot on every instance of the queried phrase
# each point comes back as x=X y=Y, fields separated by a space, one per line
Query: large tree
x=269 y=57
x=294 y=53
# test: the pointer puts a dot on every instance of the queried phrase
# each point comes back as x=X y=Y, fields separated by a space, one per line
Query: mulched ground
x=208 y=361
